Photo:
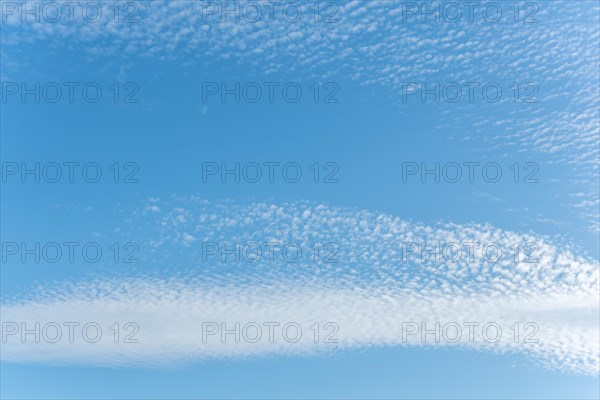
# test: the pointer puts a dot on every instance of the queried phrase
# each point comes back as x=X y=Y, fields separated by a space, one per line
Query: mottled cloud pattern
x=375 y=44
x=368 y=293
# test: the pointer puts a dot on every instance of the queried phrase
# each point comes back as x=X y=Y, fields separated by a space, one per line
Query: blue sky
x=165 y=128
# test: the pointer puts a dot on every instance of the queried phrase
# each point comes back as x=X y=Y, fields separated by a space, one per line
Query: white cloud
x=369 y=293
x=373 y=45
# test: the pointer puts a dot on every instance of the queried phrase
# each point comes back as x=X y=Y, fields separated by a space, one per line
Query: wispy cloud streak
x=369 y=293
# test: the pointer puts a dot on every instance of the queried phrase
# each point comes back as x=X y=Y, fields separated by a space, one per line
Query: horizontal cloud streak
x=170 y=316
x=369 y=293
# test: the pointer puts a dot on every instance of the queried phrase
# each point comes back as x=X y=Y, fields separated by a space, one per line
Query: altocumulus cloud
x=374 y=44
x=372 y=290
